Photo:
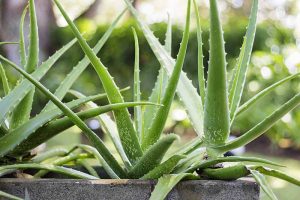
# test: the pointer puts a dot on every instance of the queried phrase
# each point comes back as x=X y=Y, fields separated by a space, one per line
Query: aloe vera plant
x=139 y=141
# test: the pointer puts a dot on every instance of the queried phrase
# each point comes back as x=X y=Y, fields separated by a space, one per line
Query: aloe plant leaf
x=264 y=92
x=93 y=138
x=103 y=163
x=110 y=128
x=9 y=196
x=52 y=168
x=125 y=126
x=216 y=111
x=185 y=88
x=189 y=161
x=190 y=146
x=160 y=85
x=49 y=154
x=137 y=86
x=5 y=43
x=262 y=127
x=276 y=174
x=4 y=80
x=82 y=65
x=9 y=102
x=88 y=167
x=35 y=136
x=21 y=113
x=201 y=79
x=152 y=157
x=22 y=46
x=240 y=76
x=164 y=168
x=165 y=184
x=227 y=173
x=70 y=157
x=209 y=163
x=260 y=179
x=157 y=126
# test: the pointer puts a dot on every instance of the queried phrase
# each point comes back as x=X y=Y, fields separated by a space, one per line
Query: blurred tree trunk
x=11 y=11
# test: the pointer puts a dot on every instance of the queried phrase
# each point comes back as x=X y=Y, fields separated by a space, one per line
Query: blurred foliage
x=118 y=56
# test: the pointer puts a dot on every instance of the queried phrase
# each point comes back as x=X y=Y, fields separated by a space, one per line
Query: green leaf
x=276 y=174
x=201 y=79
x=137 y=87
x=125 y=126
x=262 y=127
x=103 y=163
x=226 y=173
x=93 y=138
x=216 y=112
x=165 y=184
x=209 y=163
x=260 y=179
x=22 y=40
x=49 y=154
x=4 y=80
x=88 y=167
x=52 y=168
x=9 y=196
x=110 y=128
x=158 y=124
x=236 y=90
x=9 y=102
x=152 y=157
x=164 y=168
x=62 y=161
x=264 y=92
x=185 y=88
x=81 y=66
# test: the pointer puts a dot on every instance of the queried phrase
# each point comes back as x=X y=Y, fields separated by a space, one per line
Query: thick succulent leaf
x=160 y=86
x=201 y=79
x=276 y=174
x=22 y=45
x=88 y=167
x=57 y=152
x=216 y=111
x=236 y=90
x=9 y=196
x=227 y=173
x=70 y=157
x=52 y=168
x=164 y=168
x=4 y=80
x=9 y=102
x=67 y=83
x=125 y=126
x=110 y=128
x=103 y=163
x=21 y=114
x=25 y=137
x=165 y=184
x=260 y=179
x=5 y=43
x=137 y=86
x=190 y=146
x=158 y=124
x=262 y=127
x=93 y=138
x=264 y=92
x=36 y=136
x=190 y=160
x=152 y=157
x=185 y=88
x=209 y=163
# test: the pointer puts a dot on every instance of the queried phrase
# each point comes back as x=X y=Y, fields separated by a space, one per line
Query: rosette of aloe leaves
x=141 y=147
x=215 y=109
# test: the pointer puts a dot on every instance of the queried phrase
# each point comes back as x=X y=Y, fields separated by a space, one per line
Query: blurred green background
x=276 y=54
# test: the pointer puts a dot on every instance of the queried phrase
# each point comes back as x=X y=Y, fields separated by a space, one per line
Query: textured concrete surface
x=68 y=189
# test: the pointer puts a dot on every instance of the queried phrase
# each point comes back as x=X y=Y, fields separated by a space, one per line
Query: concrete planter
x=108 y=189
